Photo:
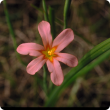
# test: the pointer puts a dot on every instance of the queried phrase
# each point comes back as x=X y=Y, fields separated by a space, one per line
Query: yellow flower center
x=49 y=53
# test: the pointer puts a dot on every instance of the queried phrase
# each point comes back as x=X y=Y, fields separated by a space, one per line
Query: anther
x=50 y=52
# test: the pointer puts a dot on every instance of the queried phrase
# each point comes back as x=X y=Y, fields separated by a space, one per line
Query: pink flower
x=50 y=53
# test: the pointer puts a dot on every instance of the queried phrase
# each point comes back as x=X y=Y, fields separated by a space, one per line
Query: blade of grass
x=11 y=31
x=57 y=20
x=101 y=52
x=73 y=98
x=52 y=21
x=44 y=80
x=66 y=9
x=96 y=49
x=45 y=10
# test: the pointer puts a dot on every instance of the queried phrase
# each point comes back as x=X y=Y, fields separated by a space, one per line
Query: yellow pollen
x=49 y=53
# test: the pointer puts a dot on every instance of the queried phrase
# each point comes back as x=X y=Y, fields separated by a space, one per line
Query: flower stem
x=44 y=67
x=52 y=21
x=66 y=9
x=45 y=10
x=53 y=31
x=11 y=30
x=44 y=79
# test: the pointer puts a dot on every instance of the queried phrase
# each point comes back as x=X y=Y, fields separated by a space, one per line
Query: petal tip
x=29 y=72
x=18 y=48
x=75 y=62
x=57 y=82
x=71 y=31
x=42 y=22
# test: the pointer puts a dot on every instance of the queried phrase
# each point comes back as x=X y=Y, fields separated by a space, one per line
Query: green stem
x=53 y=31
x=52 y=21
x=11 y=30
x=44 y=79
x=66 y=9
x=45 y=10
x=44 y=67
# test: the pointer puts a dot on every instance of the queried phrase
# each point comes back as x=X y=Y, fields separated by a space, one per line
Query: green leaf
x=66 y=9
x=45 y=10
x=11 y=30
x=52 y=21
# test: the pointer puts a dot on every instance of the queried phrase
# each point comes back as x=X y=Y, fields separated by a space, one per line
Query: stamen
x=49 y=53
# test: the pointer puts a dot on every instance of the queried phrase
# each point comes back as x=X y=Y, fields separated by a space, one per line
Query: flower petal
x=30 y=48
x=63 y=39
x=56 y=75
x=67 y=59
x=35 y=65
x=45 y=32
